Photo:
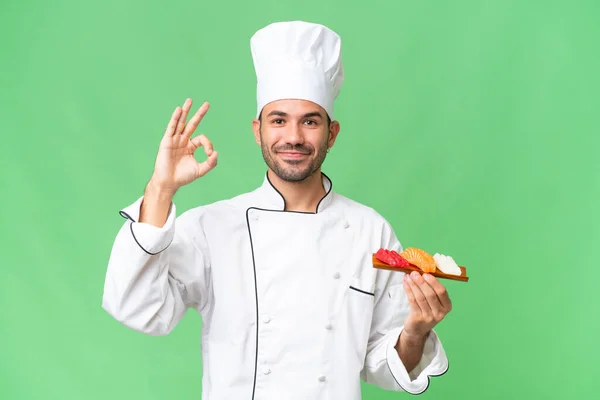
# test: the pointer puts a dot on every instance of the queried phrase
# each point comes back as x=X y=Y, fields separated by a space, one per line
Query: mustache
x=299 y=148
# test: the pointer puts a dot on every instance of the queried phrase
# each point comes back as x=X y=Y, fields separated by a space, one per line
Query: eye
x=310 y=122
x=278 y=121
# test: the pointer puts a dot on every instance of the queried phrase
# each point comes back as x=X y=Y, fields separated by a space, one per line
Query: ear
x=334 y=129
x=256 y=129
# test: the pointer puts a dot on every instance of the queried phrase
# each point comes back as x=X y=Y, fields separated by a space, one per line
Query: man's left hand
x=429 y=304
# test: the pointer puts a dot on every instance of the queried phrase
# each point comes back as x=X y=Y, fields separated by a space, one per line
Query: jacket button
x=266 y=319
x=336 y=275
x=346 y=225
x=328 y=327
x=266 y=371
x=322 y=378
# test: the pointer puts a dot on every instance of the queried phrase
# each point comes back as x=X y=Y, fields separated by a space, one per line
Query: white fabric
x=297 y=60
x=280 y=295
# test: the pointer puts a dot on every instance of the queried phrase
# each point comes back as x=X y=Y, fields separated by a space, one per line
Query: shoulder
x=359 y=211
x=222 y=209
x=368 y=220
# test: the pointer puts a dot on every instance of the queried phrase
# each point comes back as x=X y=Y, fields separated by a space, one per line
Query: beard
x=292 y=170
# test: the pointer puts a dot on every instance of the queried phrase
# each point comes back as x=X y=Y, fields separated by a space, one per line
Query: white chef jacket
x=290 y=302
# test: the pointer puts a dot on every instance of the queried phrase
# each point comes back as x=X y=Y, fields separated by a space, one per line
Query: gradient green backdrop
x=471 y=125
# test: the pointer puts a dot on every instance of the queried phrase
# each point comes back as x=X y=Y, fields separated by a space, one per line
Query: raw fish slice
x=384 y=256
x=446 y=264
x=391 y=257
x=420 y=258
x=400 y=261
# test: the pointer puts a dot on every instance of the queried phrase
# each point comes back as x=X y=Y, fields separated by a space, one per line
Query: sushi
x=414 y=258
x=420 y=258
x=446 y=264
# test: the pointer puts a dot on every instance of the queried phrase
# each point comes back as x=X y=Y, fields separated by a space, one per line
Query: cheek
x=266 y=137
x=318 y=140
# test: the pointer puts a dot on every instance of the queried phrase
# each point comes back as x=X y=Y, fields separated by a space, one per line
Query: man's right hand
x=175 y=164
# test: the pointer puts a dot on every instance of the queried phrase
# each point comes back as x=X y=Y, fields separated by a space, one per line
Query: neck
x=301 y=196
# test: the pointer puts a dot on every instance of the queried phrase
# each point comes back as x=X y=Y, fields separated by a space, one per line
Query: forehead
x=293 y=107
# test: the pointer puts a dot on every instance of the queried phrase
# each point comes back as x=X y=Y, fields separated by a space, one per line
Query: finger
x=196 y=119
x=430 y=294
x=418 y=293
x=173 y=122
x=412 y=301
x=181 y=123
x=206 y=166
x=202 y=140
x=440 y=290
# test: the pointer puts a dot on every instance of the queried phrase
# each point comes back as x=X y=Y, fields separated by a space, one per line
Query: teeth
x=446 y=264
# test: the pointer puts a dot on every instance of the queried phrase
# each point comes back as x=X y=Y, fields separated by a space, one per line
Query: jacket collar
x=268 y=197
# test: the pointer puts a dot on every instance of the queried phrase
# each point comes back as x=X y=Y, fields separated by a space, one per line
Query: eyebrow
x=284 y=114
x=312 y=114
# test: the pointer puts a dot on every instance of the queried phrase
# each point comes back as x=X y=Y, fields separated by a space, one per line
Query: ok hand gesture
x=175 y=164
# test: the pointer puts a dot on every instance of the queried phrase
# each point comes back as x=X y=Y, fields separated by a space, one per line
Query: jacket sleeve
x=383 y=366
x=155 y=274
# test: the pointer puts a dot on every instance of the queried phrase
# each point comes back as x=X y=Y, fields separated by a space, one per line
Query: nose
x=293 y=135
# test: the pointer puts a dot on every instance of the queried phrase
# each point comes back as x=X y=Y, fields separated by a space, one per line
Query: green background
x=470 y=125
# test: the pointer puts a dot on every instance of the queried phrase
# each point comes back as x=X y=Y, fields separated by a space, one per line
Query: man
x=282 y=276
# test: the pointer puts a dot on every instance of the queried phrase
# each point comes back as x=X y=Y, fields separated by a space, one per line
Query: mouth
x=294 y=155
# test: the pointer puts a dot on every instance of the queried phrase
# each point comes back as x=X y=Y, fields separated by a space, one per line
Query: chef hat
x=297 y=60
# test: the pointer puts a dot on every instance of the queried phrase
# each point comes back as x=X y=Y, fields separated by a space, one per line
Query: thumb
x=207 y=165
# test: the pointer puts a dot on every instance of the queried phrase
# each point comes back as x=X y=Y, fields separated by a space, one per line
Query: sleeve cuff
x=433 y=363
x=151 y=239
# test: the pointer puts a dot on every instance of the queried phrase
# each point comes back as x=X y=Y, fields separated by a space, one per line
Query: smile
x=292 y=154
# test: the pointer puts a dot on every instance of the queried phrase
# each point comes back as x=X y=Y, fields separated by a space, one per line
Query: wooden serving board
x=438 y=274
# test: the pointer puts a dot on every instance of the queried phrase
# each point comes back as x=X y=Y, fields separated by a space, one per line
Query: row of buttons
x=266 y=319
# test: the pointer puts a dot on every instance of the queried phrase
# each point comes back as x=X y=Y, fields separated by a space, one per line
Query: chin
x=290 y=170
x=292 y=174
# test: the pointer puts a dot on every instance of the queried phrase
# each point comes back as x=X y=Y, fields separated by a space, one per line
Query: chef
x=281 y=276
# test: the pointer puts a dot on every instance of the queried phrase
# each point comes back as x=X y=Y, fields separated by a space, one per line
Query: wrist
x=159 y=191
x=156 y=204
x=410 y=349
x=412 y=339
